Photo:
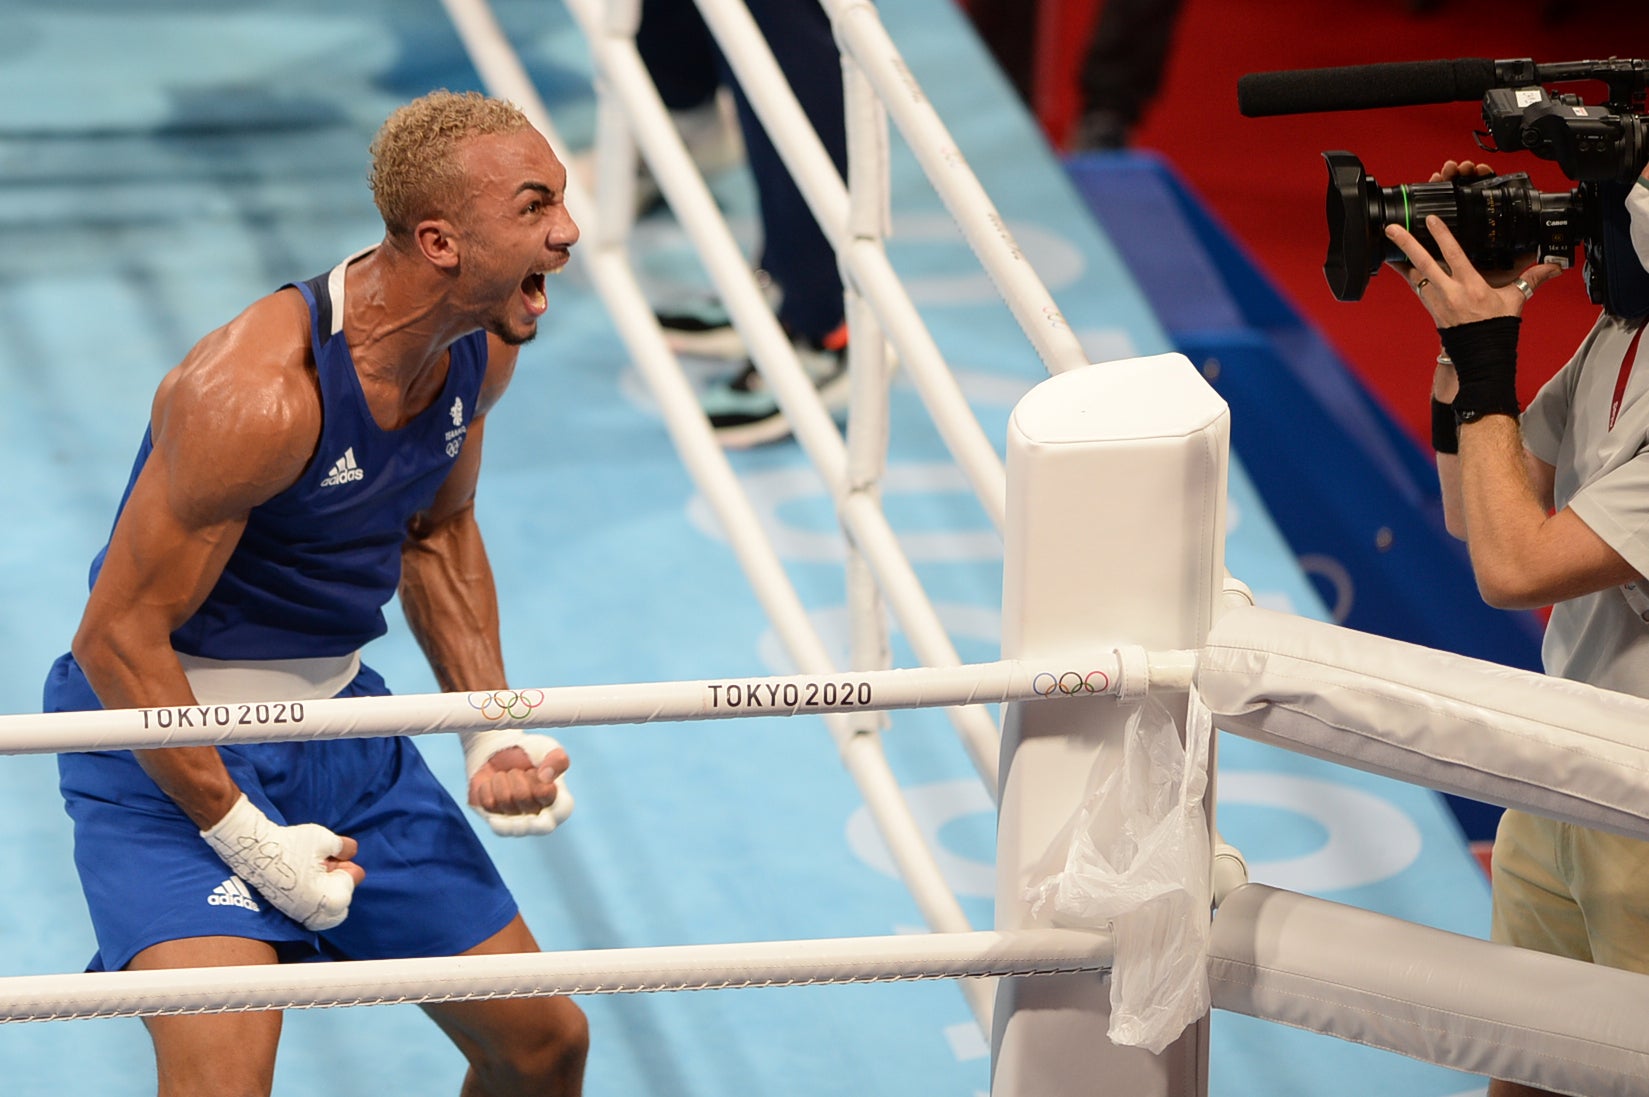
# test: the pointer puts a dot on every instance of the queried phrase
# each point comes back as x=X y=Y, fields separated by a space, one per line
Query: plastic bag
x=1137 y=861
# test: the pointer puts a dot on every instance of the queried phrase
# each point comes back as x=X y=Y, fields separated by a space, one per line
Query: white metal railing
x=852 y=217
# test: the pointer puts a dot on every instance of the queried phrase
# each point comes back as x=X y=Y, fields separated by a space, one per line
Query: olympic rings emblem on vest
x=514 y=703
x=1070 y=683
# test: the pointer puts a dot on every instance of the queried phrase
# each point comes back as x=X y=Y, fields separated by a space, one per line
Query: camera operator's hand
x=1453 y=169
x=1453 y=291
x=1478 y=322
x=1468 y=170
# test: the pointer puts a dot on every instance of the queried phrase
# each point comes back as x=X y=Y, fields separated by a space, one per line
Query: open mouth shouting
x=532 y=291
x=532 y=286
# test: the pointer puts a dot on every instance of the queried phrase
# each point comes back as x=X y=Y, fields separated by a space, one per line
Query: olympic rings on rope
x=514 y=703
x=1071 y=682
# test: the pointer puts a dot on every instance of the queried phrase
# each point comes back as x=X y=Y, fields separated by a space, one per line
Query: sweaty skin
x=238 y=421
x=472 y=200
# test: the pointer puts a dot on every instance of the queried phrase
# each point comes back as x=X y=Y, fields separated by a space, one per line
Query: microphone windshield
x=1364 y=87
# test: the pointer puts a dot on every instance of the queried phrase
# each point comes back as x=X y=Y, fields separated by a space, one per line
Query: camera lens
x=1359 y=210
x=1496 y=220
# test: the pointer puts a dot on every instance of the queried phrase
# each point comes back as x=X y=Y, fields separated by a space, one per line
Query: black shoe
x=702 y=335
x=1099 y=131
x=743 y=413
x=707 y=331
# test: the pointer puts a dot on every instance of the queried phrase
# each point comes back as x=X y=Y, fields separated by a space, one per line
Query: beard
x=514 y=338
x=508 y=333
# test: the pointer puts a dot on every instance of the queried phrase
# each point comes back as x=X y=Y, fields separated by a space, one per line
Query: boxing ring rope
x=864 y=38
x=901 y=958
x=1127 y=673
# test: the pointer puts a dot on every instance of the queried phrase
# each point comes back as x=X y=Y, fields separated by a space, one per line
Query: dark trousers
x=1122 y=71
x=688 y=67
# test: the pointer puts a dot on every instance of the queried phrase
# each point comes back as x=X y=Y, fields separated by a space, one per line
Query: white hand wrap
x=287 y=865
x=479 y=746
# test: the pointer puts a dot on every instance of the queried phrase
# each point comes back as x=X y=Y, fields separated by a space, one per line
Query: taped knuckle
x=507 y=826
x=316 y=841
x=542 y=821
x=337 y=890
x=532 y=807
x=539 y=747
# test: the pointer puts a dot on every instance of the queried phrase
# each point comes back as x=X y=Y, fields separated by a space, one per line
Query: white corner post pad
x=1549 y=1022
x=1115 y=536
x=286 y=864
x=482 y=745
x=1558 y=748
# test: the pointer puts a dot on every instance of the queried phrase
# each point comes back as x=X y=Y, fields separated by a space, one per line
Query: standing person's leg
x=795 y=253
x=679 y=53
x=517 y=1047
x=159 y=897
x=1122 y=70
x=1532 y=904
x=526 y=1047
x=219 y=1054
x=685 y=64
x=431 y=889
x=794 y=249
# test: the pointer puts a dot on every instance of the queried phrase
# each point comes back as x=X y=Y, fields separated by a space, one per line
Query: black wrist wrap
x=1485 y=360
x=1445 y=433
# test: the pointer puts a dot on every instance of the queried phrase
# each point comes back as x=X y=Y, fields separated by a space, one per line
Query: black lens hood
x=1351 y=259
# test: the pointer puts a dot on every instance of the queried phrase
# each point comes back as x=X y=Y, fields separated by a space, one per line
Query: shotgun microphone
x=1365 y=87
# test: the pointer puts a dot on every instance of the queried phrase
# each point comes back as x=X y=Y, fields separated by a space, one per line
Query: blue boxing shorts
x=430 y=887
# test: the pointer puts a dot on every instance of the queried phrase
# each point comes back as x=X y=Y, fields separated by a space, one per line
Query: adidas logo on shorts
x=343 y=471
x=232 y=893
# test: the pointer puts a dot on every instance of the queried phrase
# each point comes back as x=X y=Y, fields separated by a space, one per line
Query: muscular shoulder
x=241 y=413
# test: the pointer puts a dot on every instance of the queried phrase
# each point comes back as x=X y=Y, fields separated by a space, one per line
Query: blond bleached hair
x=416 y=172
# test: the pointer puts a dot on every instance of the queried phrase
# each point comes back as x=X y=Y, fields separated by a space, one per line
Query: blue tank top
x=317 y=563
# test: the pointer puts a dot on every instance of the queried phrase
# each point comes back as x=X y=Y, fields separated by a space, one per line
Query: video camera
x=1496 y=219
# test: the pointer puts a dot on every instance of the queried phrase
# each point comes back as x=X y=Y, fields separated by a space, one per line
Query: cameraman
x=1554 y=511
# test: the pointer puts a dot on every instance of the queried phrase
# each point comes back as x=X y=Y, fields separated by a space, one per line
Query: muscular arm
x=233 y=425
x=451 y=605
x=447 y=590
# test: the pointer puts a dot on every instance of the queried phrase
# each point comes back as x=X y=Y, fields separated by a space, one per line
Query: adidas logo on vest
x=343 y=470
x=232 y=893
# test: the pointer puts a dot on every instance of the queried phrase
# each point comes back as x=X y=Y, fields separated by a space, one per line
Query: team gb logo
x=455 y=436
